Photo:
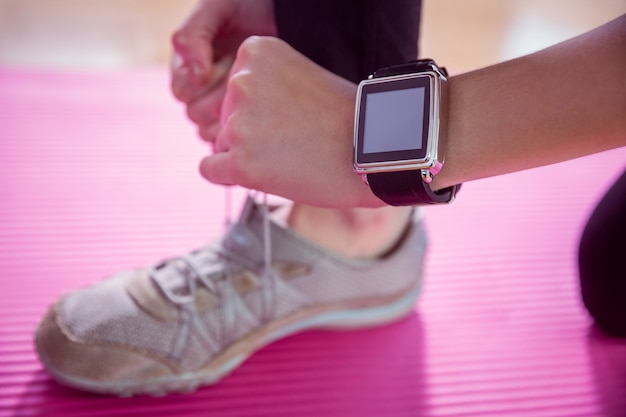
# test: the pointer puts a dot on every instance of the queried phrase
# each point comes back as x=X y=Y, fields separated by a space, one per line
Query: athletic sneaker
x=189 y=321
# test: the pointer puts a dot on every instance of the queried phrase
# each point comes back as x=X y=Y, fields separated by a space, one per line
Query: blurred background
x=118 y=34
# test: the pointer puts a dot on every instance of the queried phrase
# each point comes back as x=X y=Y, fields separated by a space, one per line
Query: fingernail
x=197 y=73
x=180 y=82
x=177 y=61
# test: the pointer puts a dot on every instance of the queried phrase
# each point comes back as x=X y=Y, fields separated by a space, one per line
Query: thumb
x=217 y=168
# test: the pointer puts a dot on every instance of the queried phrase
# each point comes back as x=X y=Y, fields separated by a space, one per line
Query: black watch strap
x=407 y=188
x=419 y=65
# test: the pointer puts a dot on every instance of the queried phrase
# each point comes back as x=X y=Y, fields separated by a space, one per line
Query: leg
x=352 y=39
x=602 y=261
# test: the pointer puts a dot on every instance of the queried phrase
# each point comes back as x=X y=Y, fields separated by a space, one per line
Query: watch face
x=393 y=120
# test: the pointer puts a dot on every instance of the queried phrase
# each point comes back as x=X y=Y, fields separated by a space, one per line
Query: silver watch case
x=432 y=163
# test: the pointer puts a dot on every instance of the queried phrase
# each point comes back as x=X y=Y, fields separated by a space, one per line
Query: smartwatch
x=399 y=133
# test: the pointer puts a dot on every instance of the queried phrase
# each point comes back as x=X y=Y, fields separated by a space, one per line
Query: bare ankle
x=362 y=233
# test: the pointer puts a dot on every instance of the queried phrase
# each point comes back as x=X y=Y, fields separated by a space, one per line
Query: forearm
x=287 y=125
x=560 y=103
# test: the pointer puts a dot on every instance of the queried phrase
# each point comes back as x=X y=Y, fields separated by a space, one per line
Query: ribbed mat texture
x=98 y=173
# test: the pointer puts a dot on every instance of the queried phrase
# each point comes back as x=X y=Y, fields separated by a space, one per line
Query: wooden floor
x=111 y=34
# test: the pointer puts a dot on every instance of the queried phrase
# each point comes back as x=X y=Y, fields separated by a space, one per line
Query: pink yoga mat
x=98 y=173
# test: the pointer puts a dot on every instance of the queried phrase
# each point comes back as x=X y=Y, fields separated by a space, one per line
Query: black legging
x=352 y=38
x=602 y=261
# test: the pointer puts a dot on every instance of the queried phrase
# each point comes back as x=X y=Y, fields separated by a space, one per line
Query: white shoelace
x=267 y=230
x=196 y=268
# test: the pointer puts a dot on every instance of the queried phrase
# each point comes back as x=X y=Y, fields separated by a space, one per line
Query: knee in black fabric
x=351 y=38
x=602 y=261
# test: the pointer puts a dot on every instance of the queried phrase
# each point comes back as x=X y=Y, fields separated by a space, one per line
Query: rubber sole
x=236 y=354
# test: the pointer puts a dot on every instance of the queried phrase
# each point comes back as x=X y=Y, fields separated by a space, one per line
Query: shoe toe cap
x=97 y=367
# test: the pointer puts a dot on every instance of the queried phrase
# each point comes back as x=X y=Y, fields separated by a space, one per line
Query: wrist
x=400 y=133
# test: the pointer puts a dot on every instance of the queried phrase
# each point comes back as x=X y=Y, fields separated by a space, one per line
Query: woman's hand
x=286 y=128
x=204 y=48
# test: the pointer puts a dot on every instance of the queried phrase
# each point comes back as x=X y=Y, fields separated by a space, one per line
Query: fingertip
x=180 y=84
x=205 y=168
x=214 y=168
x=198 y=72
x=190 y=66
x=179 y=40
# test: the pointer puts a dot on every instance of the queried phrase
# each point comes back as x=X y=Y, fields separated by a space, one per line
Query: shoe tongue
x=243 y=242
x=245 y=237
